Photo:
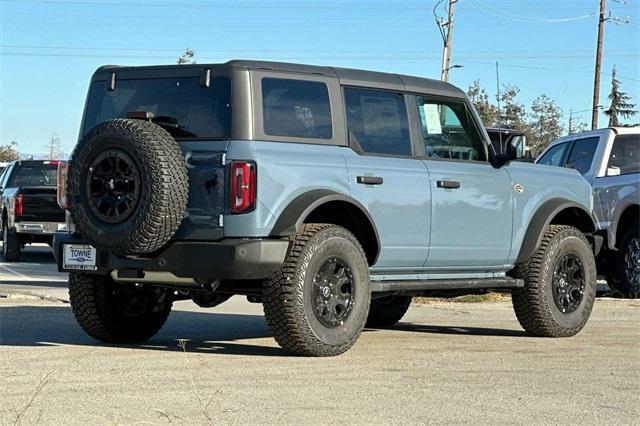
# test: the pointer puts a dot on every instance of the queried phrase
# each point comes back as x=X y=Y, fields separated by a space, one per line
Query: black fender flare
x=293 y=216
x=540 y=221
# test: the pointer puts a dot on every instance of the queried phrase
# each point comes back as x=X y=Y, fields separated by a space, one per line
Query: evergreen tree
x=620 y=105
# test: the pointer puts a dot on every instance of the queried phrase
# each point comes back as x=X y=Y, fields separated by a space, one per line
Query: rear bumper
x=39 y=228
x=225 y=259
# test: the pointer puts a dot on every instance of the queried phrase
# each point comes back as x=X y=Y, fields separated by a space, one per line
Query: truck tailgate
x=40 y=205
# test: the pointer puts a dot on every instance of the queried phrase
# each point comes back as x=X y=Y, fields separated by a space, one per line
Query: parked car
x=610 y=161
x=330 y=195
x=30 y=213
x=505 y=139
x=3 y=165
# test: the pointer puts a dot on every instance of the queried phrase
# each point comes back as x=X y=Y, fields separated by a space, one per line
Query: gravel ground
x=445 y=363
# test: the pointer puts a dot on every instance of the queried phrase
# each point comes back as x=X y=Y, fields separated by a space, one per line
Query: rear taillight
x=63 y=168
x=243 y=186
x=18 y=205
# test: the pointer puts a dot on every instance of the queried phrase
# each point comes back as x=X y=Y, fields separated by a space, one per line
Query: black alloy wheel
x=632 y=261
x=113 y=186
x=568 y=283
x=332 y=292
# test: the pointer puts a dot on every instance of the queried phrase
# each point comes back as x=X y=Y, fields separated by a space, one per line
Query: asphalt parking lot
x=445 y=363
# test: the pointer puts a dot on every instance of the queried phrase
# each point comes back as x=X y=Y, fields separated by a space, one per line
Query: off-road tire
x=163 y=181
x=387 y=311
x=534 y=304
x=10 y=244
x=101 y=316
x=287 y=294
x=616 y=273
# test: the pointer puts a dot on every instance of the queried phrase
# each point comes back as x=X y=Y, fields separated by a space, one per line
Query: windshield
x=182 y=105
x=34 y=174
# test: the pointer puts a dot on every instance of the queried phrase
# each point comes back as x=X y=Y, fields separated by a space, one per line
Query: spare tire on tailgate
x=127 y=186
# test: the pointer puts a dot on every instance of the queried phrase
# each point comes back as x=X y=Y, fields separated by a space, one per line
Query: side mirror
x=613 y=171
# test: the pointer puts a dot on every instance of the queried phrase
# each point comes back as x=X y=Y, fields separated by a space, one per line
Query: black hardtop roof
x=347 y=76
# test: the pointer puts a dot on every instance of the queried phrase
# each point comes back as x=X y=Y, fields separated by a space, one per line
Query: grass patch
x=469 y=298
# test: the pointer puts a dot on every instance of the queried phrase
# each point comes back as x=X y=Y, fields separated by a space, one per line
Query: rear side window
x=377 y=121
x=625 y=154
x=581 y=155
x=449 y=131
x=296 y=108
x=553 y=157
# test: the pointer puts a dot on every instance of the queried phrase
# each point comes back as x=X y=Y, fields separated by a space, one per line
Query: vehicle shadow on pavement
x=463 y=330
x=202 y=332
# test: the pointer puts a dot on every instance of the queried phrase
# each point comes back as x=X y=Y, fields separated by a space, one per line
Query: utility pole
x=570 y=122
x=498 y=94
x=596 y=81
x=446 y=29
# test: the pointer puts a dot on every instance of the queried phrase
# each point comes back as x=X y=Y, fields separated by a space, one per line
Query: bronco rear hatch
x=193 y=104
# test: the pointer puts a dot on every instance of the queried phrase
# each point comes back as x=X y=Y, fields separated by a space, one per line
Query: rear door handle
x=369 y=180
x=448 y=184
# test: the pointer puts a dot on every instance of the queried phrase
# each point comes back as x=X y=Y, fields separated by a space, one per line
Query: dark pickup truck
x=30 y=212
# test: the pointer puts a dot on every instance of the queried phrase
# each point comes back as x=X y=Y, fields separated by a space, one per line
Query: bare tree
x=54 y=148
x=546 y=123
x=488 y=112
x=9 y=152
x=188 y=57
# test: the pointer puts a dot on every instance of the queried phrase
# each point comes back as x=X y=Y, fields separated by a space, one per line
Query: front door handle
x=448 y=184
x=369 y=180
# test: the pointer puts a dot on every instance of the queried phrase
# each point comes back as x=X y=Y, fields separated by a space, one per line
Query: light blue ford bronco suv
x=329 y=195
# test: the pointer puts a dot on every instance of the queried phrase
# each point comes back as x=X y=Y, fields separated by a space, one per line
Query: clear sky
x=49 y=48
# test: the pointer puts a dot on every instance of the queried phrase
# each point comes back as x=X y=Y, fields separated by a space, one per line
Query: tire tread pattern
x=164 y=192
x=529 y=303
x=283 y=299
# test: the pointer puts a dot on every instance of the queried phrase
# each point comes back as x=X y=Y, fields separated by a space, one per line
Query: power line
x=475 y=4
x=539 y=68
x=216 y=5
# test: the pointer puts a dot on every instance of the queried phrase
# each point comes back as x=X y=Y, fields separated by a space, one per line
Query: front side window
x=296 y=108
x=553 y=157
x=582 y=153
x=377 y=121
x=625 y=154
x=449 y=132
x=180 y=105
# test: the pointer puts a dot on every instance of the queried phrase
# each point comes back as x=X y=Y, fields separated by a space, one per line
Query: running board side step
x=453 y=284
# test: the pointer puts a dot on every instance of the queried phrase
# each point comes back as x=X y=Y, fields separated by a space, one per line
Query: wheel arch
x=557 y=211
x=625 y=221
x=326 y=206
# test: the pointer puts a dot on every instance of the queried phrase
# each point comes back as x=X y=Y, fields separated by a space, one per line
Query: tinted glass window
x=553 y=157
x=180 y=105
x=625 y=154
x=296 y=108
x=377 y=121
x=449 y=132
x=34 y=174
x=581 y=155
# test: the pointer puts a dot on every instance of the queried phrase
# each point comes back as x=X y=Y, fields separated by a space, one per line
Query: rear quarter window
x=296 y=108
